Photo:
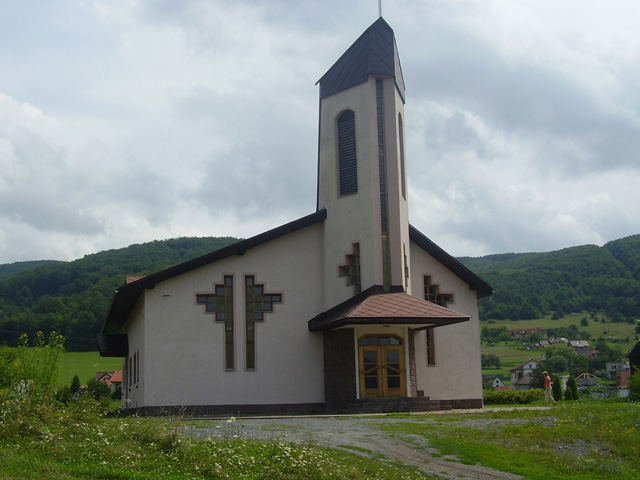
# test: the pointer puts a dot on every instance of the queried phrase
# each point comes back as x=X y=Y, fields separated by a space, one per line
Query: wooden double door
x=381 y=366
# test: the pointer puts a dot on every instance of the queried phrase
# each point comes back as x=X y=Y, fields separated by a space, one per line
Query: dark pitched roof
x=525 y=380
x=374 y=306
x=634 y=357
x=127 y=295
x=113 y=345
x=482 y=288
x=373 y=53
x=521 y=366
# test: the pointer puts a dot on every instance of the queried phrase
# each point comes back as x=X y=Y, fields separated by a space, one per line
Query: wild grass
x=574 y=440
x=81 y=443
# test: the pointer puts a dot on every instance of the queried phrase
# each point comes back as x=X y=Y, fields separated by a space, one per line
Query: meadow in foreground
x=585 y=439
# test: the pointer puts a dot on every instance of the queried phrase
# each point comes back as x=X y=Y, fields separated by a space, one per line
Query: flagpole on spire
x=379 y=8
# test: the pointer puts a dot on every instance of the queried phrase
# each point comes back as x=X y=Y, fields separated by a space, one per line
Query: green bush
x=556 y=388
x=571 y=393
x=28 y=382
x=510 y=397
x=98 y=389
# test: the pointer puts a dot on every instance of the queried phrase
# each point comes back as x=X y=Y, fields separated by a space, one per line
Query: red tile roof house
x=116 y=378
x=349 y=308
x=103 y=376
x=113 y=379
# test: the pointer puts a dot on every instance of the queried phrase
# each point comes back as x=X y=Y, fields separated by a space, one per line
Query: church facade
x=349 y=308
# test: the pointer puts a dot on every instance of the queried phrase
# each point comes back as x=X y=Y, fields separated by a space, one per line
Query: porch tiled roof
x=373 y=307
x=400 y=305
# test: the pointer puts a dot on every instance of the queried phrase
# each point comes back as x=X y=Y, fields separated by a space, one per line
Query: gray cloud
x=122 y=123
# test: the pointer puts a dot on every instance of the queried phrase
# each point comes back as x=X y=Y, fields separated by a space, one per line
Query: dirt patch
x=363 y=436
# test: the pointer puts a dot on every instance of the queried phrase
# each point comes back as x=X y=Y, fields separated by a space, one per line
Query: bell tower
x=361 y=165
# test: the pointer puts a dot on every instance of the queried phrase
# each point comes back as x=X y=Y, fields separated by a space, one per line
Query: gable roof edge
x=127 y=295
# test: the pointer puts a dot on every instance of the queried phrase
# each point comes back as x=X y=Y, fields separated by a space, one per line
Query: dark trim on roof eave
x=127 y=295
x=482 y=288
x=431 y=321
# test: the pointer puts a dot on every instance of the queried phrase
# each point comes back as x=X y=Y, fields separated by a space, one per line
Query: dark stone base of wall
x=407 y=404
x=377 y=405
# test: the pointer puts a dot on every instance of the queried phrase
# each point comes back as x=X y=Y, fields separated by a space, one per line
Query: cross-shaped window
x=351 y=269
x=432 y=293
x=220 y=303
x=257 y=303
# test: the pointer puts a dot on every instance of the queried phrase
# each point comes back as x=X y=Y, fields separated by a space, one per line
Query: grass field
x=85 y=365
x=586 y=440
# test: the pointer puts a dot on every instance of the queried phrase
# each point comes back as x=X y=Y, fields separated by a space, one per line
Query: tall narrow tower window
x=382 y=171
x=402 y=174
x=347 y=161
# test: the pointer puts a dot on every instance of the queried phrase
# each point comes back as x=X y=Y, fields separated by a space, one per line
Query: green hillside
x=587 y=278
x=73 y=298
x=9 y=269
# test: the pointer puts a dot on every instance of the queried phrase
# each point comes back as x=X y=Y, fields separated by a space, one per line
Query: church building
x=348 y=309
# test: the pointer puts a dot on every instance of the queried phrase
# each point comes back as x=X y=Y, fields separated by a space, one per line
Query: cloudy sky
x=126 y=121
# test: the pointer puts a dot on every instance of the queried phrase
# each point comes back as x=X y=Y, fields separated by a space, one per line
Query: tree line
x=587 y=278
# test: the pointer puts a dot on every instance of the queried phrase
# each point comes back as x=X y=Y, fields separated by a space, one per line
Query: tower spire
x=379 y=8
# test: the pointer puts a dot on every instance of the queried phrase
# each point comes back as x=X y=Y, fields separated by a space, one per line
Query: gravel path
x=362 y=435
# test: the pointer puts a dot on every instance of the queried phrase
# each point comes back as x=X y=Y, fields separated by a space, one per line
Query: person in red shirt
x=547 y=388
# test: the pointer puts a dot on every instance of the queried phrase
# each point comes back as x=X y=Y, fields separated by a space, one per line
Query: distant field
x=85 y=365
x=617 y=333
x=512 y=354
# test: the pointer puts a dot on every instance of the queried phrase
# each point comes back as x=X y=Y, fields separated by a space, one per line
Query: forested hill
x=576 y=279
x=73 y=298
x=9 y=269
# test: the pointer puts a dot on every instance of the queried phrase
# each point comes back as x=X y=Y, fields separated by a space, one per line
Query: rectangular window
x=431 y=346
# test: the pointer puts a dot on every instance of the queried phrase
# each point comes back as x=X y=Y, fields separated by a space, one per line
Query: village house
x=613 y=368
x=492 y=381
x=522 y=375
x=349 y=308
x=581 y=347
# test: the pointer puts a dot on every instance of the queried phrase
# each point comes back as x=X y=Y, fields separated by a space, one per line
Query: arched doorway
x=381 y=366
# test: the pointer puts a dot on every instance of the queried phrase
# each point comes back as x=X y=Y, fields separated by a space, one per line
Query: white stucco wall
x=133 y=392
x=184 y=346
x=356 y=217
x=457 y=373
